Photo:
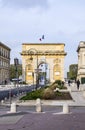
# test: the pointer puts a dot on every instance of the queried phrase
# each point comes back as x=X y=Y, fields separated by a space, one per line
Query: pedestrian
x=5 y=82
x=69 y=82
x=78 y=84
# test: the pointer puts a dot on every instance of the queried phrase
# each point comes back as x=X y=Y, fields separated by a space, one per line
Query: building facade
x=81 y=62
x=4 y=63
x=42 y=62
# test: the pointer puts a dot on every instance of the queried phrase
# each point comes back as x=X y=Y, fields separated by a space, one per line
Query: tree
x=68 y=75
x=13 y=71
x=73 y=68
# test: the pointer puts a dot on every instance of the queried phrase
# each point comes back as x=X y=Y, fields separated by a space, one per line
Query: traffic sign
x=38 y=70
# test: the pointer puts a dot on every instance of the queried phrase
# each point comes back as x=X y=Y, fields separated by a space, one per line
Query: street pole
x=33 y=79
x=10 y=96
x=37 y=74
x=45 y=71
x=31 y=58
x=16 y=63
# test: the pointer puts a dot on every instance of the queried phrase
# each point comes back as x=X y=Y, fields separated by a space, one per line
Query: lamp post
x=33 y=79
x=32 y=52
x=37 y=74
x=16 y=63
x=10 y=96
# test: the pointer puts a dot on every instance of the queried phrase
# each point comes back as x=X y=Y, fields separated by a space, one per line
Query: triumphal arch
x=42 y=62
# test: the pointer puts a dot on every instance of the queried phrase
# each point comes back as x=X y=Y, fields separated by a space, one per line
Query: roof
x=81 y=45
x=1 y=44
x=43 y=44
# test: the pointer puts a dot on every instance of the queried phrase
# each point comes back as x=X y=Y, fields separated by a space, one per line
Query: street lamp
x=16 y=63
x=37 y=74
x=31 y=52
x=33 y=79
x=10 y=95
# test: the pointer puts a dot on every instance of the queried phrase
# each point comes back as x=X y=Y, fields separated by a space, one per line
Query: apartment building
x=4 y=63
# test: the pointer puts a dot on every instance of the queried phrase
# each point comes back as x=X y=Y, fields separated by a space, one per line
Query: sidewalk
x=77 y=95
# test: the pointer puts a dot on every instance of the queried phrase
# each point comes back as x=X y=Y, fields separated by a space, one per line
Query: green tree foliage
x=68 y=75
x=13 y=71
x=73 y=68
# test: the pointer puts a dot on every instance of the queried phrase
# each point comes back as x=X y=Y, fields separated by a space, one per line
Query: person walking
x=69 y=82
x=78 y=84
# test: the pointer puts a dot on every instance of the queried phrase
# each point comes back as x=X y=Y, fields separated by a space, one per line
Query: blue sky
x=61 y=21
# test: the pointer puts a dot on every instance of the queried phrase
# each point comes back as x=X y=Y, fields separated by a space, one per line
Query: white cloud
x=24 y=3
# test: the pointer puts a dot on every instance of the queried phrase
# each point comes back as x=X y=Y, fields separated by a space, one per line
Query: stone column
x=84 y=93
x=13 y=107
x=65 y=108
x=38 y=105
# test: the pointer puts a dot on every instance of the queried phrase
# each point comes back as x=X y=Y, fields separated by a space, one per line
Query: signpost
x=38 y=70
x=37 y=78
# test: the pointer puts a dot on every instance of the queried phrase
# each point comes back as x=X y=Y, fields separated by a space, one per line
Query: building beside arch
x=42 y=61
x=81 y=62
x=4 y=63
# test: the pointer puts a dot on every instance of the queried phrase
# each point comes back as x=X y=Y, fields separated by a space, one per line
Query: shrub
x=48 y=94
x=59 y=82
x=46 y=87
x=58 y=93
x=54 y=86
x=33 y=95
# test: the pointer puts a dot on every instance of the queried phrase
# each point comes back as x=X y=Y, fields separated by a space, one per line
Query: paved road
x=43 y=121
x=51 y=118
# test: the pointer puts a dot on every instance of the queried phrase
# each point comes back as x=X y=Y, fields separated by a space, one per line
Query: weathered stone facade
x=81 y=62
x=4 y=63
x=35 y=54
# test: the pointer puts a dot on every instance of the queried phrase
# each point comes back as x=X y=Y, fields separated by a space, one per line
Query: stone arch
x=51 y=53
